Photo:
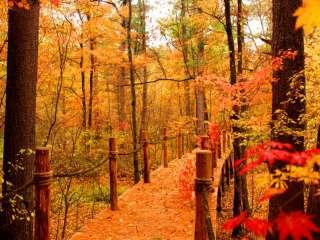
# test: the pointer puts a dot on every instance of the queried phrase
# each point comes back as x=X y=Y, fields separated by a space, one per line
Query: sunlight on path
x=147 y=211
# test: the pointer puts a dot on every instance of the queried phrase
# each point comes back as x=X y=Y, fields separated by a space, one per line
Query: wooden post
x=42 y=177
x=146 y=162
x=165 y=148
x=179 y=144
x=203 y=185
x=113 y=174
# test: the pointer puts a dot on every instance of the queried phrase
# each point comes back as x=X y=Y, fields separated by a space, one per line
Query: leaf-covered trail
x=152 y=211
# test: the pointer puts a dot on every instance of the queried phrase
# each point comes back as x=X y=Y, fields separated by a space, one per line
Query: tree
x=133 y=96
x=142 y=30
x=184 y=47
x=239 y=197
x=19 y=136
x=288 y=101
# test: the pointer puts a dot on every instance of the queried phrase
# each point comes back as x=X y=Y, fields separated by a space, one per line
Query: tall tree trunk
x=184 y=45
x=133 y=97
x=237 y=203
x=91 y=80
x=144 y=113
x=240 y=42
x=122 y=81
x=19 y=133
x=240 y=37
x=122 y=97
x=286 y=37
x=83 y=86
x=232 y=57
x=200 y=93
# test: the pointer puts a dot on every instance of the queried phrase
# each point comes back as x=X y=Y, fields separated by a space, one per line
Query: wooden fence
x=43 y=175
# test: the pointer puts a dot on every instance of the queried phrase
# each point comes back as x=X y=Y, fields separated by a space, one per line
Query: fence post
x=179 y=144
x=113 y=174
x=203 y=184
x=42 y=177
x=165 y=148
x=146 y=162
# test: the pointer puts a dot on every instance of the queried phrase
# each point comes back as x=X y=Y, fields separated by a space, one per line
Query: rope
x=80 y=172
x=129 y=153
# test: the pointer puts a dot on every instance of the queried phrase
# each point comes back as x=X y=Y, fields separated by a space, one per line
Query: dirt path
x=147 y=211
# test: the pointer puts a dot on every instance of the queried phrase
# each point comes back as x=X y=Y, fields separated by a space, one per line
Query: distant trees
x=19 y=134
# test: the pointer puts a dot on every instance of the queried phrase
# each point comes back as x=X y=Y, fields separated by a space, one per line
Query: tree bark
x=91 y=80
x=122 y=82
x=19 y=133
x=184 y=45
x=238 y=194
x=83 y=86
x=136 y=172
x=240 y=42
x=232 y=57
x=288 y=97
x=144 y=113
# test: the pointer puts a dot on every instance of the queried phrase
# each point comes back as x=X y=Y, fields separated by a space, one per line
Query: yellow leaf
x=308 y=15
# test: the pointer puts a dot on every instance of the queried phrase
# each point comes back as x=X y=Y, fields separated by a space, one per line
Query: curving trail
x=152 y=211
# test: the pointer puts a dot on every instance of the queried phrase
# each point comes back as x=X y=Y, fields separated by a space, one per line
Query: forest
x=159 y=119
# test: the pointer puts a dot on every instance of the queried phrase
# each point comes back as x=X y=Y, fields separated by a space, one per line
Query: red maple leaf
x=273 y=152
x=234 y=222
x=258 y=227
x=298 y=225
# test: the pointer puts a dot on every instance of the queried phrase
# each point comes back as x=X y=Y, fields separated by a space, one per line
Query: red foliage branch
x=296 y=225
x=273 y=152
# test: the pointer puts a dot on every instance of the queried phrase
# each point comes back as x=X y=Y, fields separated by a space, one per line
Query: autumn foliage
x=186 y=180
x=296 y=225
x=274 y=152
